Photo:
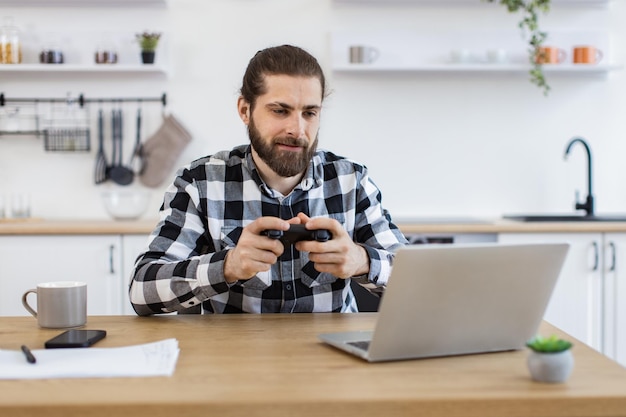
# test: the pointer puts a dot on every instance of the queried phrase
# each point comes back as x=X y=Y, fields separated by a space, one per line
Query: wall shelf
x=563 y=69
x=84 y=3
x=85 y=69
x=420 y=52
x=585 y=3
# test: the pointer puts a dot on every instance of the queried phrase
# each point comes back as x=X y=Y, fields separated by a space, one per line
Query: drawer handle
x=111 y=262
x=613 y=256
x=596 y=259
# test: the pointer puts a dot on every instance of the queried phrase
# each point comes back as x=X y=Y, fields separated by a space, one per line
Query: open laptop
x=446 y=300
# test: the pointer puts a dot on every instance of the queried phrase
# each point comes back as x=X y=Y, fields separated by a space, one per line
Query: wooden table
x=274 y=365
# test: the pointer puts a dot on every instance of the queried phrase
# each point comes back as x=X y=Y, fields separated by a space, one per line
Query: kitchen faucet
x=588 y=204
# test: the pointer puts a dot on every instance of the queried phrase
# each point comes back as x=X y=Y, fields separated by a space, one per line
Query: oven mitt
x=161 y=150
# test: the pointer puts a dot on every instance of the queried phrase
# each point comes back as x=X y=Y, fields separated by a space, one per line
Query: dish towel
x=161 y=150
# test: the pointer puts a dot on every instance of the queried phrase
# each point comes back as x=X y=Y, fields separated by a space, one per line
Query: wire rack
x=67 y=139
x=66 y=128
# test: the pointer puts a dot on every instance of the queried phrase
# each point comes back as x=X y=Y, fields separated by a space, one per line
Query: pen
x=30 y=358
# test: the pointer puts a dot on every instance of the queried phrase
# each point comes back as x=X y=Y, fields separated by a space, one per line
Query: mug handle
x=561 y=55
x=374 y=54
x=25 y=302
x=599 y=55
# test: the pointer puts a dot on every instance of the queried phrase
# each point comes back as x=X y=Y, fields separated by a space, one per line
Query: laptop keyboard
x=364 y=344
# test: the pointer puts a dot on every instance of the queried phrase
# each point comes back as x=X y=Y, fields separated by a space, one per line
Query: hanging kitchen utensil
x=119 y=173
x=101 y=161
x=113 y=143
x=136 y=163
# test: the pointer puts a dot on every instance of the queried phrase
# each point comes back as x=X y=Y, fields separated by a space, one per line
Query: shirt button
x=288 y=287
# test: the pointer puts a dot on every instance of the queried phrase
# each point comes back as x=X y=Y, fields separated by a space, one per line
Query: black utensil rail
x=67 y=136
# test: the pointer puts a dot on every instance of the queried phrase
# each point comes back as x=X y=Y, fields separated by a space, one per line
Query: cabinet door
x=576 y=303
x=132 y=245
x=26 y=261
x=615 y=297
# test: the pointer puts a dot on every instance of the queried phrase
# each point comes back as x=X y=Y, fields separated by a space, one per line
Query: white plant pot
x=550 y=367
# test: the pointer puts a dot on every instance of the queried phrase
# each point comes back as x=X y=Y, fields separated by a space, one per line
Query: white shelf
x=396 y=52
x=580 y=70
x=87 y=69
x=471 y=2
x=84 y=3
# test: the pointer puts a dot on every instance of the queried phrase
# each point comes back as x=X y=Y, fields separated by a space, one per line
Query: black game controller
x=296 y=233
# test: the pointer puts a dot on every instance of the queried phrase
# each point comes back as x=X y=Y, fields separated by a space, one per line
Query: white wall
x=437 y=145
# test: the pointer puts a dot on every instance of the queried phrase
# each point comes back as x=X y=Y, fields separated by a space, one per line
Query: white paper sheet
x=150 y=359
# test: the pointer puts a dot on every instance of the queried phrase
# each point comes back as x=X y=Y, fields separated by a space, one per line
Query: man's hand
x=255 y=252
x=339 y=256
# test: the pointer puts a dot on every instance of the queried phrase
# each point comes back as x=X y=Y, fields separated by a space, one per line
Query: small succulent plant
x=148 y=41
x=550 y=344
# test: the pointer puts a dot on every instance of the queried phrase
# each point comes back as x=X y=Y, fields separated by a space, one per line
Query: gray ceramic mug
x=61 y=304
x=363 y=54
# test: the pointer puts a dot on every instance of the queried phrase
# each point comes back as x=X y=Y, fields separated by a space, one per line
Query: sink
x=565 y=218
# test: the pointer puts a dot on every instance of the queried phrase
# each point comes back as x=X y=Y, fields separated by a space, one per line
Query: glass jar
x=10 y=47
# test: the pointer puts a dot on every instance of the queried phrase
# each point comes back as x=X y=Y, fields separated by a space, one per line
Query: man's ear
x=243 y=107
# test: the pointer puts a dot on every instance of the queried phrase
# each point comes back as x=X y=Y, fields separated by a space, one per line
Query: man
x=210 y=248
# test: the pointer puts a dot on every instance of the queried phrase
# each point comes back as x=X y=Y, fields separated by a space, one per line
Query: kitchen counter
x=36 y=226
x=407 y=225
x=458 y=226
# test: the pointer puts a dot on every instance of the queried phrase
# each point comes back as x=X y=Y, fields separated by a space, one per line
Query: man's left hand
x=339 y=256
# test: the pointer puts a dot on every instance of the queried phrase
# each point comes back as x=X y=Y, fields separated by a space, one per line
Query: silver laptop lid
x=461 y=299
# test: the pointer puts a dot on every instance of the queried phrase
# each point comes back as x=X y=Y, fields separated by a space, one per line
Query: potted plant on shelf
x=530 y=10
x=148 y=42
x=550 y=359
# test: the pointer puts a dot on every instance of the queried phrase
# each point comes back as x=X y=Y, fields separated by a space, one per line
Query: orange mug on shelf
x=550 y=55
x=587 y=55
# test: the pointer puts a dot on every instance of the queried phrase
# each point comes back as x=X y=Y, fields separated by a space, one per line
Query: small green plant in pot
x=550 y=359
x=148 y=42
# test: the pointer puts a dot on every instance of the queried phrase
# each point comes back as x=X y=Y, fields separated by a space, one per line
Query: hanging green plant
x=529 y=24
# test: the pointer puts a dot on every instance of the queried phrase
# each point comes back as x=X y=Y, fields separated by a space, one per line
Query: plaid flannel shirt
x=215 y=197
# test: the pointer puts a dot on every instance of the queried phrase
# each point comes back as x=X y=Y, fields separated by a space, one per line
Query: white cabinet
x=589 y=300
x=105 y=262
x=26 y=261
x=614 y=300
x=132 y=246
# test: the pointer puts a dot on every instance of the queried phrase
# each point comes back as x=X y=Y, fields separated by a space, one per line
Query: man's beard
x=284 y=163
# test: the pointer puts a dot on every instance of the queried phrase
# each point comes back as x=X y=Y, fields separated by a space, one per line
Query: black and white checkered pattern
x=202 y=217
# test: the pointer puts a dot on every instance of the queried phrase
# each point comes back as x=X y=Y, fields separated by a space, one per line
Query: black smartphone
x=75 y=338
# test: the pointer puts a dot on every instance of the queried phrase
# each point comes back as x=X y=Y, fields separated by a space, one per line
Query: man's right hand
x=255 y=252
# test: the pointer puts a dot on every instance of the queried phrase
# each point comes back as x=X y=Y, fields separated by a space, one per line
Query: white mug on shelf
x=460 y=56
x=497 y=56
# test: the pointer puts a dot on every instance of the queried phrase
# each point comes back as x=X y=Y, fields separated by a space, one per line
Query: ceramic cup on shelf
x=359 y=54
x=460 y=56
x=550 y=55
x=60 y=305
x=497 y=56
x=586 y=54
